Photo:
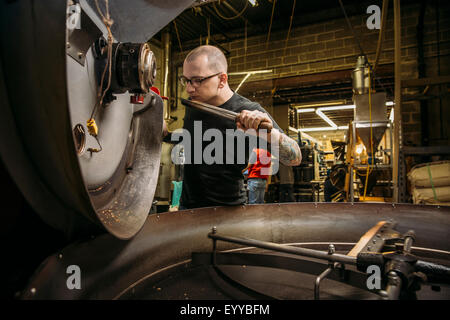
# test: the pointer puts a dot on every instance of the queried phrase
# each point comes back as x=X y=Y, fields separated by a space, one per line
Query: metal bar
x=224 y=113
x=425 y=81
x=277 y=261
x=433 y=150
x=394 y=286
x=319 y=280
x=335 y=257
x=398 y=96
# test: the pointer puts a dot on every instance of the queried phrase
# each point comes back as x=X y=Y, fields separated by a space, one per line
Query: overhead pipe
x=396 y=148
x=166 y=74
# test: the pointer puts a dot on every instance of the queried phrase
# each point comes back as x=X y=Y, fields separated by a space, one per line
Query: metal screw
x=68 y=44
x=80 y=55
x=214 y=230
x=374 y=240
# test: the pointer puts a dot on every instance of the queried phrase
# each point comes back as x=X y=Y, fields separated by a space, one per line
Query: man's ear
x=223 y=80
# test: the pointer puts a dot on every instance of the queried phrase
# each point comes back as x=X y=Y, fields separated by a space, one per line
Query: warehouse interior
x=298 y=58
x=89 y=181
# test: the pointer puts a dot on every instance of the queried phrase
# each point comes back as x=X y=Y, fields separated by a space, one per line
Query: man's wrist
x=275 y=135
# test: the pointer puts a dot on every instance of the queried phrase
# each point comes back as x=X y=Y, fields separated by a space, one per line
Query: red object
x=156 y=90
x=263 y=160
x=137 y=98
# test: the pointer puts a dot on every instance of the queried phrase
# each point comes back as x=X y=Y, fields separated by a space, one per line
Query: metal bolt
x=60 y=256
x=80 y=55
x=214 y=230
x=368 y=248
x=33 y=290
x=68 y=44
x=331 y=248
x=374 y=240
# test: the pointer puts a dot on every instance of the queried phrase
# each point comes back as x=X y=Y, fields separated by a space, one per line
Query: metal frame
x=390 y=151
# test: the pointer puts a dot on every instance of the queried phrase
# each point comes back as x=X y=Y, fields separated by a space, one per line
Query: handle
x=262 y=125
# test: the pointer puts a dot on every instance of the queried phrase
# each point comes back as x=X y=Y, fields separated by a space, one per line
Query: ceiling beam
x=309 y=79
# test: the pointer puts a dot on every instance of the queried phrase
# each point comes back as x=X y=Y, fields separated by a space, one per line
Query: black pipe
x=335 y=257
x=421 y=69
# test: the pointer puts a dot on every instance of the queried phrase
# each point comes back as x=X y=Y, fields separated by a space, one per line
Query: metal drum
x=170 y=257
x=53 y=59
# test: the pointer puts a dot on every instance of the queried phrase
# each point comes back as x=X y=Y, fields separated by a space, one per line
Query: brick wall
x=331 y=46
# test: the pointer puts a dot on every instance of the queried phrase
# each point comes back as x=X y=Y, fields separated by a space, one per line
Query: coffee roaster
x=84 y=150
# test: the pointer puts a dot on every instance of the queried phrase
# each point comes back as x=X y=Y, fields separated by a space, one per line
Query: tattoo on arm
x=290 y=153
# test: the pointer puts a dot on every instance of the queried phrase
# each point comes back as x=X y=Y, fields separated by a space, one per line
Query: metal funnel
x=370 y=118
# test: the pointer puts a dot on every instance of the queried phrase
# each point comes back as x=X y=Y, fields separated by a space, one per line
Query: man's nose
x=189 y=87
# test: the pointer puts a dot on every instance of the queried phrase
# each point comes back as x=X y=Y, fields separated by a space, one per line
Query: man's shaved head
x=216 y=59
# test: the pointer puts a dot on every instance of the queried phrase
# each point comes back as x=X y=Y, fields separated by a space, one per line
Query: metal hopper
x=370 y=118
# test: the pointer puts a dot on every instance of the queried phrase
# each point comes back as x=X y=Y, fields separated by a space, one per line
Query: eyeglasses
x=195 y=81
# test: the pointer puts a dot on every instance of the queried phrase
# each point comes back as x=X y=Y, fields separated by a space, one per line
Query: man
x=286 y=183
x=205 y=78
x=258 y=175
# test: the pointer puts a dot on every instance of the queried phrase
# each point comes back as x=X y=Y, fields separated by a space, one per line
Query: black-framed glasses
x=195 y=81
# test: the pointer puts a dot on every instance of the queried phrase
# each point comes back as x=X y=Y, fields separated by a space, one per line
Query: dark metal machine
x=172 y=256
x=81 y=138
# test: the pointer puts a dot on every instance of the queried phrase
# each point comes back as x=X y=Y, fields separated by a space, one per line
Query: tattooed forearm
x=290 y=153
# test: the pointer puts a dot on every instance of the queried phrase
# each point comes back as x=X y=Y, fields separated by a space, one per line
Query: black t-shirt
x=219 y=183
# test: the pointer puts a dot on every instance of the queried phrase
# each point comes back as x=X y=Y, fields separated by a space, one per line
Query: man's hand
x=289 y=151
x=254 y=120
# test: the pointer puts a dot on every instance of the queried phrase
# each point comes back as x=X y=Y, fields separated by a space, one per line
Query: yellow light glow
x=359 y=148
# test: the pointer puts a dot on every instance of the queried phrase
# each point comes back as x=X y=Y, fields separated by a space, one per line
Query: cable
x=361 y=50
x=371 y=140
x=381 y=33
x=351 y=29
x=178 y=36
x=290 y=26
x=91 y=125
x=230 y=18
x=271 y=20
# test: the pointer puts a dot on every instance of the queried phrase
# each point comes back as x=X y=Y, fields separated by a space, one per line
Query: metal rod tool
x=223 y=113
